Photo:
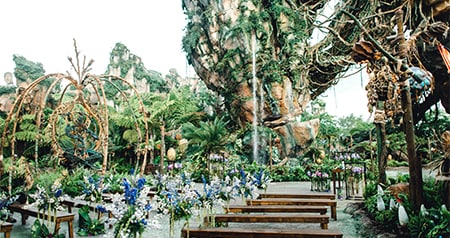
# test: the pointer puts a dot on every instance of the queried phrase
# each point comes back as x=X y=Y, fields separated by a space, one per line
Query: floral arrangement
x=245 y=186
x=131 y=209
x=319 y=181
x=210 y=196
x=47 y=199
x=356 y=172
x=93 y=188
x=176 y=198
x=262 y=179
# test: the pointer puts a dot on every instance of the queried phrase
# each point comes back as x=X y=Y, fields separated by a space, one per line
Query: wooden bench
x=269 y=218
x=276 y=208
x=211 y=232
x=295 y=201
x=26 y=211
x=293 y=195
x=6 y=227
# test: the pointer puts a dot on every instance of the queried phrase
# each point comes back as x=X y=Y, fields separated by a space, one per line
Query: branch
x=377 y=45
x=373 y=40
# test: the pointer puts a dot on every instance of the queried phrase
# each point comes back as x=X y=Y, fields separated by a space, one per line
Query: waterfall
x=255 y=101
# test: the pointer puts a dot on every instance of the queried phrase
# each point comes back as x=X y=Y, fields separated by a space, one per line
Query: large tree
x=233 y=43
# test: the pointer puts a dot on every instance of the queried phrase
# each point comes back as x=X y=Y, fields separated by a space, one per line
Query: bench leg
x=57 y=226
x=70 y=224
x=7 y=234
x=333 y=213
x=24 y=219
x=324 y=226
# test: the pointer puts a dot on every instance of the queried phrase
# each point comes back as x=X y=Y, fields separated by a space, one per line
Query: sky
x=348 y=96
x=43 y=31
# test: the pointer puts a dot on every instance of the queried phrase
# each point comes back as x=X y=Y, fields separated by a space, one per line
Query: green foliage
x=40 y=230
x=7 y=90
x=396 y=163
x=288 y=173
x=433 y=192
x=208 y=137
x=430 y=223
x=88 y=226
x=125 y=62
x=72 y=183
x=26 y=70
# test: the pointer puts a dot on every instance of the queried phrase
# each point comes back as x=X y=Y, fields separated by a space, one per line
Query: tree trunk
x=415 y=163
x=152 y=149
x=163 y=147
x=381 y=144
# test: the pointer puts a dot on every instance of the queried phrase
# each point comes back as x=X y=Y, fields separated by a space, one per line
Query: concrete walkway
x=344 y=222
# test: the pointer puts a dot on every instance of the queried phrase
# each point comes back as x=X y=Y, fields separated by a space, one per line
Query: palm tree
x=167 y=113
x=207 y=138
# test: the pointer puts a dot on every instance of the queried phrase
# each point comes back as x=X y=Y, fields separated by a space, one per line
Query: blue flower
x=140 y=183
x=144 y=222
x=58 y=193
x=101 y=209
x=148 y=207
x=126 y=185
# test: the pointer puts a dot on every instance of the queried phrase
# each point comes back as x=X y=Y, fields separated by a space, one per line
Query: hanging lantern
x=322 y=154
x=276 y=140
x=171 y=154
x=182 y=145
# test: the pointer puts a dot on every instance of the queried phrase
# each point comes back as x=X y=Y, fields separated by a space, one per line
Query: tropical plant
x=432 y=222
x=40 y=230
x=168 y=112
x=206 y=139
x=88 y=226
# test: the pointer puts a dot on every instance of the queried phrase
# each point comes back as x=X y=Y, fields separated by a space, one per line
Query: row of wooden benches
x=274 y=208
x=267 y=203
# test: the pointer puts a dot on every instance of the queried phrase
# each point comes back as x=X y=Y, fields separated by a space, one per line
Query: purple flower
x=357 y=170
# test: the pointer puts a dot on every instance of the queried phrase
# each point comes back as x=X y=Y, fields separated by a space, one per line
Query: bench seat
x=216 y=232
x=6 y=228
x=295 y=201
x=26 y=211
x=295 y=195
x=269 y=218
x=276 y=209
